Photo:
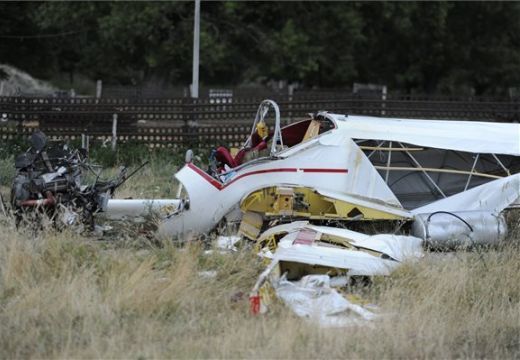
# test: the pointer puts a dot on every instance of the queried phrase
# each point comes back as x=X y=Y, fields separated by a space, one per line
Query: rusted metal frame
x=418 y=165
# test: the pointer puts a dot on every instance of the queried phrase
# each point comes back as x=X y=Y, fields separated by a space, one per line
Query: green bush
x=13 y=147
x=132 y=153
x=7 y=170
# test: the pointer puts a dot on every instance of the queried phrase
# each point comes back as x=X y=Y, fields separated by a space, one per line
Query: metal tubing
x=49 y=201
x=502 y=165
x=388 y=162
x=196 y=45
x=471 y=172
x=424 y=172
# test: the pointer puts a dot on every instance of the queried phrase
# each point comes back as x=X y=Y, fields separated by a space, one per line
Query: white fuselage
x=321 y=163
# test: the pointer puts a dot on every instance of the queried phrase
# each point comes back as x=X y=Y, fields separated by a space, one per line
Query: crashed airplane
x=445 y=182
x=326 y=198
x=335 y=197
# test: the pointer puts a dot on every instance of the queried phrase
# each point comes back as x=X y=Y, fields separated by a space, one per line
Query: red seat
x=223 y=155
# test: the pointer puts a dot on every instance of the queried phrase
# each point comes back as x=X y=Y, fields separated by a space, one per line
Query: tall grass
x=67 y=296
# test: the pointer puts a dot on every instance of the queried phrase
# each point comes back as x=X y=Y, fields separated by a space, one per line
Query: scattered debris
x=227 y=242
x=307 y=261
x=326 y=200
x=50 y=182
x=383 y=187
x=313 y=297
x=209 y=274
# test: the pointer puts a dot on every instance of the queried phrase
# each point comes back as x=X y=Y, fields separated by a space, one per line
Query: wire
x=452 y=214
x=40 y=36
x=469 y=226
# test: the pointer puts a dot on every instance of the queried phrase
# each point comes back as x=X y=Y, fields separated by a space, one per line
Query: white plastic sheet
x=313 y=298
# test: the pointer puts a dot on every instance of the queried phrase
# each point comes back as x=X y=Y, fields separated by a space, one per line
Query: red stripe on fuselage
x=221 y=186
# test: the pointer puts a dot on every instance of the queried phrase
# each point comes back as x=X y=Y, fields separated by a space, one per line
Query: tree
x=413 y=47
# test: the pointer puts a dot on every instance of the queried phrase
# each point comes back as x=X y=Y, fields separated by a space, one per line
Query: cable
x=470 y=238
x=40 y=36
x=452 y=214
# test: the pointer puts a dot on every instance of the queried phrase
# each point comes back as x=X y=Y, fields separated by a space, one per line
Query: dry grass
x=67 y=296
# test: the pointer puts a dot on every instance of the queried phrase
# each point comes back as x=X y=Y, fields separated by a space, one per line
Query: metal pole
x=196 y=38
x=290 y=89
x=471 y=173
x=114 y=132
x=502 y=165
x=388 y=162
x=85 y=142
x=379 y=144
x=99 y=88
x=418 y=165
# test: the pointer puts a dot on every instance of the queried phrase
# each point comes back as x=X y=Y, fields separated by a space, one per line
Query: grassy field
x=63 y=295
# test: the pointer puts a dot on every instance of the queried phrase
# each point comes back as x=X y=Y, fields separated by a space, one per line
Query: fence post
x=186 y=117
x=85 y=142
x=114 y=132
x=383 y=102
x=290 y=89
x=99 y=88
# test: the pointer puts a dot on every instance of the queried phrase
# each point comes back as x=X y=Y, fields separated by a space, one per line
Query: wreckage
x=337 y=196
x=446 y=182
x=51 y=184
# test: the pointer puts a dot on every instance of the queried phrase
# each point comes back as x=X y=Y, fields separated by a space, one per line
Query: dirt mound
x=16 y=82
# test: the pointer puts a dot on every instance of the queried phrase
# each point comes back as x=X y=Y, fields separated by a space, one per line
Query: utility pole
x=196 y=38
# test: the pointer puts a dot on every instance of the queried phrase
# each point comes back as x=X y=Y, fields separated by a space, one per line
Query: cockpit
x=267 y=140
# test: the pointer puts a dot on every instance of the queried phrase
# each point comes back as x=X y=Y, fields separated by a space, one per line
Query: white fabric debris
x=209 y=274
x=227 y=242
x=313 y=298
x=398 y=247
x=357 y=262
x=494 y=196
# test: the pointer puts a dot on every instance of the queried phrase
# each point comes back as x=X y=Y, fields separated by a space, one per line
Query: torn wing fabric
x=494 y=196
x=398 y=247
x=469 y=136
x=357 y=262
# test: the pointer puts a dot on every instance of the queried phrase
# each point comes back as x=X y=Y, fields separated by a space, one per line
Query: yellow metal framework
x=307 y=203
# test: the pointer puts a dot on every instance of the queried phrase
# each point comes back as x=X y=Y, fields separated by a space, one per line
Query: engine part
x=443 y=230
x=50 y=181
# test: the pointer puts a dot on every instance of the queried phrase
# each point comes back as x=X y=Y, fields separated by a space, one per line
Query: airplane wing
x=468 y=136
